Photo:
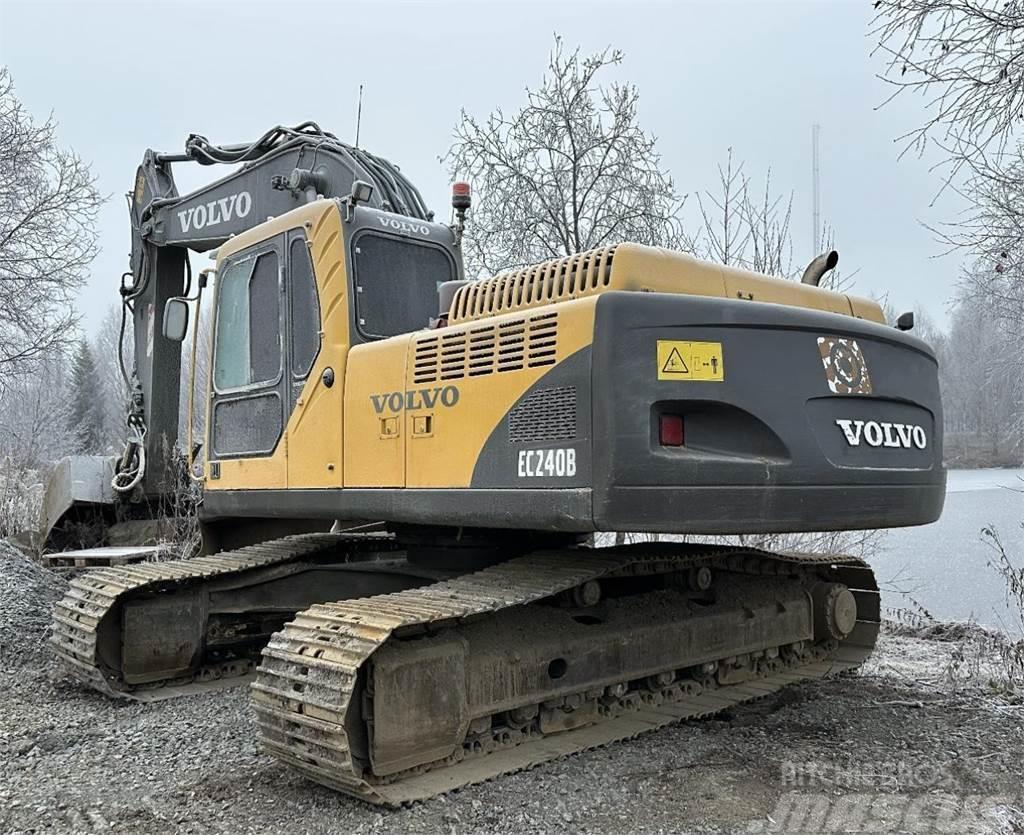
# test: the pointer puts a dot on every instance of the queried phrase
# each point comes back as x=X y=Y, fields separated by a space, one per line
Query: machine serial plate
x=690 y=361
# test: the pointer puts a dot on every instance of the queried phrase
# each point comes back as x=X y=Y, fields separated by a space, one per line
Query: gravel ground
x=897 y=747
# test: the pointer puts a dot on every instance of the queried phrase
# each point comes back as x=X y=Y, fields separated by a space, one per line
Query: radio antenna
x=359 y=114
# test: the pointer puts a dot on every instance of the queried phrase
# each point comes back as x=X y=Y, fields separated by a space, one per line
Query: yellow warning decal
x=690 y=361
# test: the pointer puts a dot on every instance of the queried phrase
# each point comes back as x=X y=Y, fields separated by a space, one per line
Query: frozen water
x=945 y=566
x=966 y=481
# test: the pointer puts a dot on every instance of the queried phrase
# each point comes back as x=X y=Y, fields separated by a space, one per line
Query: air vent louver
x=545 y=415
x=486 y=348
x=553 y=281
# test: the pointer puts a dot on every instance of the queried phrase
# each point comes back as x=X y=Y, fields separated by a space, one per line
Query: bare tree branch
x=48 y=206
x=966 y=59
x=569 y=171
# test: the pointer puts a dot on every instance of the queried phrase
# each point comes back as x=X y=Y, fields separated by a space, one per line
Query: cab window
x=396 y=283
x=248 y=336
x=305 y=309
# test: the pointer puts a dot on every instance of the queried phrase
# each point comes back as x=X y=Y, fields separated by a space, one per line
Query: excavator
x=409 y=477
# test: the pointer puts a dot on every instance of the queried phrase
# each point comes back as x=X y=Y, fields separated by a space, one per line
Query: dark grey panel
x=554 y=415
x=767 y=509
x=159 y=364
x=697 y=510
x=520 y=509
x=211 y=215
x=546 y=414
x=768 y=429
x=871 y=432
x=208 y=217
x=716 y=430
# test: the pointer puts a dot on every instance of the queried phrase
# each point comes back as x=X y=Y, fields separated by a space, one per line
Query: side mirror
x=906 y=321
x=175 y=319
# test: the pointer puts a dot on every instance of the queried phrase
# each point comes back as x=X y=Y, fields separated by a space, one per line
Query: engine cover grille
x=544 y=415
x=561 y=279
x=486 y=348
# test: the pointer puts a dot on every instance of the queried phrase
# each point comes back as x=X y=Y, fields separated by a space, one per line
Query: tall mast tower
x=816 y=187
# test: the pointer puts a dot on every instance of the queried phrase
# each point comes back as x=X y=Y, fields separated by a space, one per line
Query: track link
x=310 y=690
x=94 y=597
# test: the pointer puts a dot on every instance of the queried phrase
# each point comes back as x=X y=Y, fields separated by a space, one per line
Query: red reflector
x=670 y=430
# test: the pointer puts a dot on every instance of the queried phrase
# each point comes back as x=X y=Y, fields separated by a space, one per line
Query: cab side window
x=305 y=309
x=248 y=340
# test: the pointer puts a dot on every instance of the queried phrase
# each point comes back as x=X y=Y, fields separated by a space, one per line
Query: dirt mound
x=27 y=594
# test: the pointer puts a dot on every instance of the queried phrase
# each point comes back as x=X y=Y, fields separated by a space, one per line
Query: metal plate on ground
x=111 y=555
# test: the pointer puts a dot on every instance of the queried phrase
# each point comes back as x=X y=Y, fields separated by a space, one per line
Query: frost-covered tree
x=743 y=225
x=34 y=417
x=964 y=58
x=569 y=170
x=982 y=377
x=86 y=412
x=114 y=392
x=48 y=205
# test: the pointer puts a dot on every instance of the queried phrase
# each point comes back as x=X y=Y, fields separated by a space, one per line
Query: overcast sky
x=121 y=77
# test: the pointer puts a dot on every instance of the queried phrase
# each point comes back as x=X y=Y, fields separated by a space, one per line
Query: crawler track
x=313 y=700
x=94 y=598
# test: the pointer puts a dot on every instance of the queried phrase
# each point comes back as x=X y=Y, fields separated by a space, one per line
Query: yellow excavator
x=407 y=477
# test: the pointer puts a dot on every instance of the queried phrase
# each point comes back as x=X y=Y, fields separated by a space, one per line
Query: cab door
x=249 y=384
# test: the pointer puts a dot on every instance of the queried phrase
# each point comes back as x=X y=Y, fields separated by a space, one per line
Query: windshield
x=396 y=283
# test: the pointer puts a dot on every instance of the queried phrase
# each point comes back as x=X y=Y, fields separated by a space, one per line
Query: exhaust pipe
x=816 y=270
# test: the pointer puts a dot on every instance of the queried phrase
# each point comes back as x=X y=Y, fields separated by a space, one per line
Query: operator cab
x=396 y=264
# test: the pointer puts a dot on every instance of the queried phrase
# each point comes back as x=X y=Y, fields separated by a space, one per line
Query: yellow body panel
x=375 y=441
x=314 y=429
x=446 y=455
x=250 y=473
x=645 y=269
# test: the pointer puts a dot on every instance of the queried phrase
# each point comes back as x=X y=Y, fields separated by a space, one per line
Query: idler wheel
x=835 y=611
x=588 y=594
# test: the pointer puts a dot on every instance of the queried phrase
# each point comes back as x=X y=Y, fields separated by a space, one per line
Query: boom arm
x=283 y=169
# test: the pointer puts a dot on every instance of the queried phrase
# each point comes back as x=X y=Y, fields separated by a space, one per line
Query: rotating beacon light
x=461 y=201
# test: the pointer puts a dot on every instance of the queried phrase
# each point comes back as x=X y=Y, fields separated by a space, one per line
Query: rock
x=27 y=594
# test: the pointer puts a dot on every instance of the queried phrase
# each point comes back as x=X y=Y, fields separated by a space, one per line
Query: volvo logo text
x=404 y=226
x=215 y=212
x=883 y=434
x=413 y=399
